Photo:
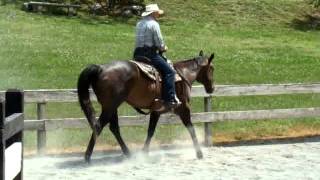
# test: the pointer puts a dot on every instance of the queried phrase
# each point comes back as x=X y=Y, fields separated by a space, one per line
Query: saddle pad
x=151 y=71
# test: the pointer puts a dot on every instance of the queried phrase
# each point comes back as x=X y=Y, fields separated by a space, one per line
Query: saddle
x=153 y=74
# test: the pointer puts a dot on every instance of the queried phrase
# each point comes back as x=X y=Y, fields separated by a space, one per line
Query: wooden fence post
x=41 y=133
x=15 y=104
x=2 y=143
x=207 y=125
x=11 y=131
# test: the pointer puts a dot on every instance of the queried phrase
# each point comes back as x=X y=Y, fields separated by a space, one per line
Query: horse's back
x=121 y=69
x=115 y=79
x=123 y=81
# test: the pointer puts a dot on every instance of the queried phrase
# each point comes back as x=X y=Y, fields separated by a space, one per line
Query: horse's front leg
x=184 y=113
x=154 y=117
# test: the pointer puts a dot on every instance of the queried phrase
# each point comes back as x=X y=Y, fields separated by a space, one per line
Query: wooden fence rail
x=42 y=124
x=70 y=95
x=204 y=117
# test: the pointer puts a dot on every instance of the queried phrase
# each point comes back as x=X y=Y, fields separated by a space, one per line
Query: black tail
x=88 y=77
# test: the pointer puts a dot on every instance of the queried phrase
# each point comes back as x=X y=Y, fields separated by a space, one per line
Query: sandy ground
x=273 y=161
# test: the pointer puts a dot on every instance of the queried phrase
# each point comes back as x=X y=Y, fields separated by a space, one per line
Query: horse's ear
x=211 y=58
x=201 y=53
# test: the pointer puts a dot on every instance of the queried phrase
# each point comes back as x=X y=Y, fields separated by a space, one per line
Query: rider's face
x=156 y=15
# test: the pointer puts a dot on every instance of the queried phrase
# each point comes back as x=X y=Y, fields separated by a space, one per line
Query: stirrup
x=177 y=100
x=171 y=105
x=160 y=106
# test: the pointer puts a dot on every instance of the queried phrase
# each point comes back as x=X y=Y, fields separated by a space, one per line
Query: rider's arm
x=158 y=39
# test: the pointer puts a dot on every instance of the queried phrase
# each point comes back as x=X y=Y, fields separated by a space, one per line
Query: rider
x=149 y=43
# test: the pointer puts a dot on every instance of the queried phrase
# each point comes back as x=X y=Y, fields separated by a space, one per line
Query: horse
x=122 y=81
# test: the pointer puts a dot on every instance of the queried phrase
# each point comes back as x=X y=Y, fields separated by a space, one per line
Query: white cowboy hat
x=152 y=8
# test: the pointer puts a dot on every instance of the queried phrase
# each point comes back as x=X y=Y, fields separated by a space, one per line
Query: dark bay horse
x=121 y=81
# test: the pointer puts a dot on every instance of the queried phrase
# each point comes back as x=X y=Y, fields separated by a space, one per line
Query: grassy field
x=264 y=41
x=255 y=42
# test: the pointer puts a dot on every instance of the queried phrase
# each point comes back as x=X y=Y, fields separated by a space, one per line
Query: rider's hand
x=164 y=49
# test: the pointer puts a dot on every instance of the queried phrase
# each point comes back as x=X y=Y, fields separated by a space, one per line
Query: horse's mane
x=188 y=62
x=185 y=61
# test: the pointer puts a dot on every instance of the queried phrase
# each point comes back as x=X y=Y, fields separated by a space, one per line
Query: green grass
x=254 y=42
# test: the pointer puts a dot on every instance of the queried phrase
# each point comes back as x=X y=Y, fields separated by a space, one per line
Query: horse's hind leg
x=184 y=113
x=91 y=144
x=102 y=121
x=114 y=127
x=154 y=117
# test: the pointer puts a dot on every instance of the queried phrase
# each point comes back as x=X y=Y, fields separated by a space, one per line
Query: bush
x=114 y=7
x=316 y=3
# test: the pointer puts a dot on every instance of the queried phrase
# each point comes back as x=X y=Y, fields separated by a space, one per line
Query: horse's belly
x=142 y=94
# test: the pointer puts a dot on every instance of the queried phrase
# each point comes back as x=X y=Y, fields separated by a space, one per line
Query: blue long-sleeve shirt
x=148 y=33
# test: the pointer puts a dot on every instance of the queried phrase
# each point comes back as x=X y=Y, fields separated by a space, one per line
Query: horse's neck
x=189 y=69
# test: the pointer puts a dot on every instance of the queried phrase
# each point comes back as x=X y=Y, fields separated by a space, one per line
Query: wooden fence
x=11 y=135
x=41 y=97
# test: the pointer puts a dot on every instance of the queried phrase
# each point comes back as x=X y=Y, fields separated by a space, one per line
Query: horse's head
x=205 y=75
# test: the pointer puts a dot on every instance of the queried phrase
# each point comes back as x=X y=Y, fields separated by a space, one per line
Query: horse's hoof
x=128 y=154
x=145 y=150
x=199 y=155
x=87 y=159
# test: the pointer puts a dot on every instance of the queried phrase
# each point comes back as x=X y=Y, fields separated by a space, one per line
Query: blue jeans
x=167 y=73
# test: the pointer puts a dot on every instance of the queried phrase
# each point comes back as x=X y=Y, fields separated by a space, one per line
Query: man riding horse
x=149 y=43
x=123 y=81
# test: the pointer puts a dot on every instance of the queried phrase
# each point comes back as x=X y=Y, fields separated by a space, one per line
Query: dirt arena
x=272 y=161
